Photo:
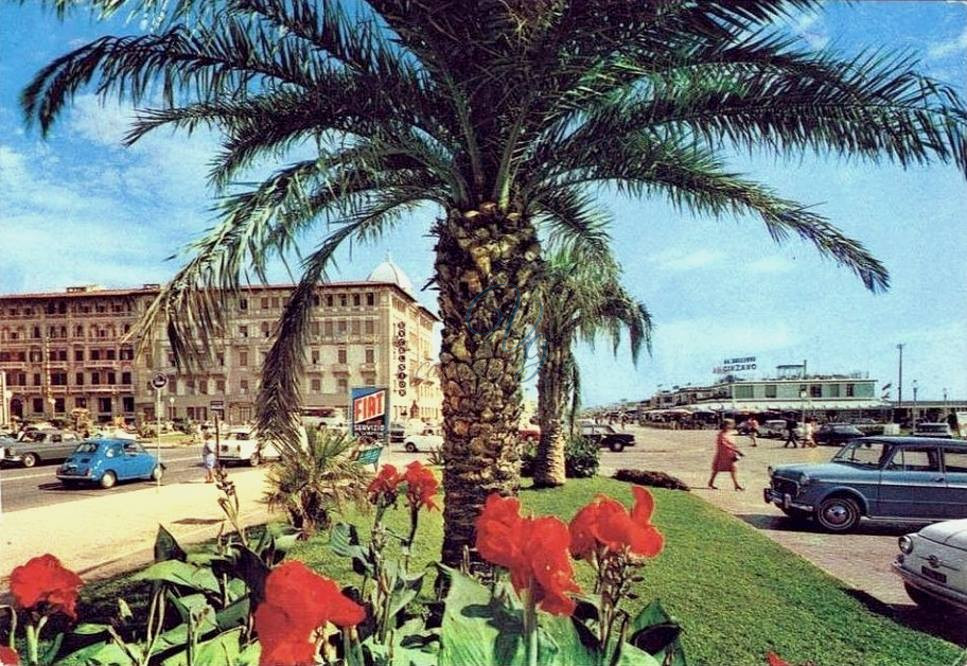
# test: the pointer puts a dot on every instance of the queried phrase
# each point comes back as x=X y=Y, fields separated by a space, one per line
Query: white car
x=240 y=445
x=414 y=443
x=933 y=565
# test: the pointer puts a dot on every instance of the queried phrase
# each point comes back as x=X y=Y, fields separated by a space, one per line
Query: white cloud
x=810 y=26
x=773 y=264
x=684 y=260
x=948 y=47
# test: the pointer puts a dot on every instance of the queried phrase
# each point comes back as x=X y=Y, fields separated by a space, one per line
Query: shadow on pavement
x=951 y=626
x=199 y=521
x=784 y=523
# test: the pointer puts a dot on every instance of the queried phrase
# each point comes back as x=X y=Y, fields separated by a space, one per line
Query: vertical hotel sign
x=399 y=342
x=370 y=413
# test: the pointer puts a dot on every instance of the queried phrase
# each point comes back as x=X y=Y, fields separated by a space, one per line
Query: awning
x=788 y=406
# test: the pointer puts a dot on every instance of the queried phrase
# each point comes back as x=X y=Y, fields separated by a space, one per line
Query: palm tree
x=505 y=115
x=582 y=296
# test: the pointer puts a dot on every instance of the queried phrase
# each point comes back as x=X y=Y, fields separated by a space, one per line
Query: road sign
x=159 y=381
x=218 y=405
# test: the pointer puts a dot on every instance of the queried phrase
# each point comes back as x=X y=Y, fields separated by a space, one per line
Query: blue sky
x=79 y=208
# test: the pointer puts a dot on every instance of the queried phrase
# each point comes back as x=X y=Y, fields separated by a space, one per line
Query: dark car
x=882 y=478
x=837 y=434
x=40 y=446
x=605 y=435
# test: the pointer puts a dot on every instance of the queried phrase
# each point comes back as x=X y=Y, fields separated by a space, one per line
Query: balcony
x=341 y=369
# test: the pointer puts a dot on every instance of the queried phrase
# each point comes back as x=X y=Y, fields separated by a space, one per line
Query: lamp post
x=945 y=402
x=802 y=401
x=914 y=404
x=899 y=385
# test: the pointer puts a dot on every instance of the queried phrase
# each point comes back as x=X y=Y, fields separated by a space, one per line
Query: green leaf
x=476 y=630
x=90 y=629
x=656 y=632
x=236 y=589
x=413 y=645
x=250 y=655
x=52 y=649
x=253 y=571
x=181 y=573
x=560 y=644
x=233 y=615
x=223 y=650
x=632 y=656
x=100 y=654
x=166 y=547
x=344 y=541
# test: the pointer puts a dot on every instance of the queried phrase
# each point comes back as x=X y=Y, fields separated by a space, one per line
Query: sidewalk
x=102 y=536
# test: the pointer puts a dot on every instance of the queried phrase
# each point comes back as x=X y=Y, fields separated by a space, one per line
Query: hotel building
x=66 y=350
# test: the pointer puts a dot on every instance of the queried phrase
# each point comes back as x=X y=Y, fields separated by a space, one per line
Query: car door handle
x=939 y=479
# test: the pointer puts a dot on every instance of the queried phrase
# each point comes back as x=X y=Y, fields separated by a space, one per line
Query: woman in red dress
x=726 y=453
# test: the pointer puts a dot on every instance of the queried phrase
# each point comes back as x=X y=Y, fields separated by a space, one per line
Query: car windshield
x=864 y=454
x=86 y=447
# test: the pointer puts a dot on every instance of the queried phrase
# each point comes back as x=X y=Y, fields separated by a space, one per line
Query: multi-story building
x=67 y=350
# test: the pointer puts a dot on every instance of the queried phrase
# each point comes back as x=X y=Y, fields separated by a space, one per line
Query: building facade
x=66 y=350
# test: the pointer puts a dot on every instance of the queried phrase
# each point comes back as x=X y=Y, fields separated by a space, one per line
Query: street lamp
x=802 y=401
x=914 y=404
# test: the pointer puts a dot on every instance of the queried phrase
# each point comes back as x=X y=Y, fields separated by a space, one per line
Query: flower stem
x=530 y=628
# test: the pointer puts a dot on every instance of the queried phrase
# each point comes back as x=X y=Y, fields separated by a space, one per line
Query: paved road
x=862 y=559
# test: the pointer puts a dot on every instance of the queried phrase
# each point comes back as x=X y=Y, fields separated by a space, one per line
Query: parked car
x=106 y=461
x=882 y=478
x=933 y=566
x=240 y=445
x=775 y=428
x=836 y=434
x=421 y=442
x=605 y=435
x=942 y=430
x=40 y=446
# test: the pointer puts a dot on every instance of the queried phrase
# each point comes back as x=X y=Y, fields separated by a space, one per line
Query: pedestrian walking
x=791 y=434
x=807 y=434
x=726 y=453
x=752 y=429
x=208 y=455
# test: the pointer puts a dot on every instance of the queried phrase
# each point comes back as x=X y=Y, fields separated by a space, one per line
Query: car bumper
x=933 y=588
x=784 y=500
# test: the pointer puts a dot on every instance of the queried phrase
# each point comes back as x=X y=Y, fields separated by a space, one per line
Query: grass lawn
x=737 y=594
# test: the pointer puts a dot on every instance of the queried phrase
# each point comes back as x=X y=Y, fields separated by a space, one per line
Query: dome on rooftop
x=390 y=272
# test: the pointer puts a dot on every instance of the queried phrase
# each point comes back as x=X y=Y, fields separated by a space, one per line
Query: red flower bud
x=421 y=486
x=385 y=484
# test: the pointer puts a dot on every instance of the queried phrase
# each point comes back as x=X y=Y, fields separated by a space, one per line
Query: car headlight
x=804 y=480
x=906 y=544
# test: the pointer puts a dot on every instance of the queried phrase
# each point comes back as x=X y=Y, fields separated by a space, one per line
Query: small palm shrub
x=581 y=457
x=311 y=484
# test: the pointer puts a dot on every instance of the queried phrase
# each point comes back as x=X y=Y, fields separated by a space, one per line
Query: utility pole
x=899 y=385
x=914 y=404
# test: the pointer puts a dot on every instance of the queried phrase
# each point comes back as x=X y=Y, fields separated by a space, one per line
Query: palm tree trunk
x=481 y=256
x=549 y=464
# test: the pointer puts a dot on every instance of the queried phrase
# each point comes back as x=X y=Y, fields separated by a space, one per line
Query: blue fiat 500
x=107 y=461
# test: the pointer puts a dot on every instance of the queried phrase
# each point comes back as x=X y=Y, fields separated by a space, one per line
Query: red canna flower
x=534 y=550
x=45 y=580
x=421 y=486
x=605 y=523
x=8 y=657
x=776 y=660
x=385 y=484
x=298 y=601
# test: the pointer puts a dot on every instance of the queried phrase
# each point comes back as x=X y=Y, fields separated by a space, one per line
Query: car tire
x=157 y=473
x=926 y=601
x=109 y=479
x=29 y=459
x=617 y=447
x=838 y=514
x=254 y=460
x=410 y=447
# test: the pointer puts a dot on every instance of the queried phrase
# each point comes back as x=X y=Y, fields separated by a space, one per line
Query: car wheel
x=617 y=447
x=157 y=473
x=108 y=480
x=254 y=460
x=838 y=514
x=29 y=459
x=410 y=447
x=926 y=601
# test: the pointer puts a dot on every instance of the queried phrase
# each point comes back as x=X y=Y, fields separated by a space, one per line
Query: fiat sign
x=370 y=412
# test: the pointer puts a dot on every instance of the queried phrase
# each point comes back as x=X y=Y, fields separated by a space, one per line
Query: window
x=266 y=329
x=815 y=391
x=127 y=403
x=95 y=354
x=111 y=378
x=327 y=329
x=342 y=356
x=38 y=405
x=243 y=358
x=370 y=355
x=316 y=385
x=315 y=357
x=78 y=331
x=36 y=356
x=104 y=405
x=127 y=354
x=369 y=379
x=316 y=301
x=370 y=299
x=343 y=300
x=850 y=390
x=80 y=403
x=190 y=386
x=265 y=303
x=220 y=386
x=126 y=378
x=95 y=378
x=342 y=385
x=916 y=459
x=111 y=354
x=742 y=392
x=36 y=332
x=329 y=300
x=171 y=360
x=58 y=378
x=275 y=301
x=243 y=304
x=771 y=391
x=59 y=406
x=955 y=460
x=833 y=390
x=79 y=379
x=220 y=358
x=356 y=301
x=203 y=386
x=356 y=326
x=341 y=327
x=314 y=328
x=243 y=331
x=36 y=379
x=243 y=386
